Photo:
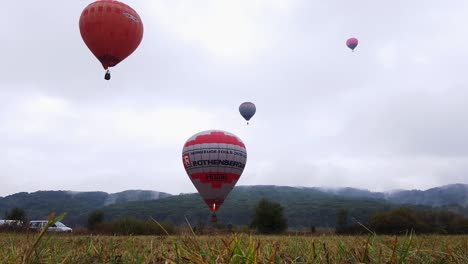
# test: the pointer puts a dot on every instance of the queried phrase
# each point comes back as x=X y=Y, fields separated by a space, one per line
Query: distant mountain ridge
x=305 y=206
x=453 y=194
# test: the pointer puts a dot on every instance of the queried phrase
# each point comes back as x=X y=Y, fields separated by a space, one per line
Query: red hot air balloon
x=352 y=43
x=214 y=161
x=112 y=31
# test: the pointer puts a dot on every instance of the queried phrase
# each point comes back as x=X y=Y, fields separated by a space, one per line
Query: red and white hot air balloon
x=214 y=161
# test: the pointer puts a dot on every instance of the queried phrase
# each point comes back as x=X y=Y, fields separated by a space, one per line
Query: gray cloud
x=390 y=115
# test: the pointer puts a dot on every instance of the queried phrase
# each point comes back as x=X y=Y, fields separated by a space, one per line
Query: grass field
x=240 y=248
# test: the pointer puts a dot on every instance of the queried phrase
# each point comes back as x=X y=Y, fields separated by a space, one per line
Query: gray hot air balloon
x=247 y=110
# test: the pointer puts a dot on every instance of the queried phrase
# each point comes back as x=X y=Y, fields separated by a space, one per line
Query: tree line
x=402 y=220
x=269 y=218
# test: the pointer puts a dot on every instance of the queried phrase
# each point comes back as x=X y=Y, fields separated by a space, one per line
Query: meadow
x=232 y=248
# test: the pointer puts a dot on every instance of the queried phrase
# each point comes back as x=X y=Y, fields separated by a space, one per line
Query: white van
x=57 y=227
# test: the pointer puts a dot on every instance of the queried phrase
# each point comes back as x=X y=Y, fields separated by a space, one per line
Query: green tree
x=341 y=220
x=269 y=218
x=95 y=218
x=17 y=214
x=399 y=221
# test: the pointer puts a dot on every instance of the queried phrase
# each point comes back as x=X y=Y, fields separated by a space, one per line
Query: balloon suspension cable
x=214 y=218
x=107 y=76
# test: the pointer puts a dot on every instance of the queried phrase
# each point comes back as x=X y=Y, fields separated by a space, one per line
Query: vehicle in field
x=57 y=227
x=11 y=223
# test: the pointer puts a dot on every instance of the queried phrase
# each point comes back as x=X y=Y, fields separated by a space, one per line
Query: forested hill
x=453 y=194
x=38 y=205
x=304 y=207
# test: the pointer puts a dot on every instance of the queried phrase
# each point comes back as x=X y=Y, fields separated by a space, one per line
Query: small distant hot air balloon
x=352 y=43
x=112 y=31
x=247 y=110
x=214 y=161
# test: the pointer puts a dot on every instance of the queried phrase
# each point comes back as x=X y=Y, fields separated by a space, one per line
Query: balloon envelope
x=112 y=31
x=214 y=161
x=247 y=110
x=352 y=43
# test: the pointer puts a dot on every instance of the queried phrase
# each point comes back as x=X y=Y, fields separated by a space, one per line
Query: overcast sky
x=391 y=115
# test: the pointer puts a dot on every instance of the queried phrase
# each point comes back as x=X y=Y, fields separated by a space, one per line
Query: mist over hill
x=134 y=195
